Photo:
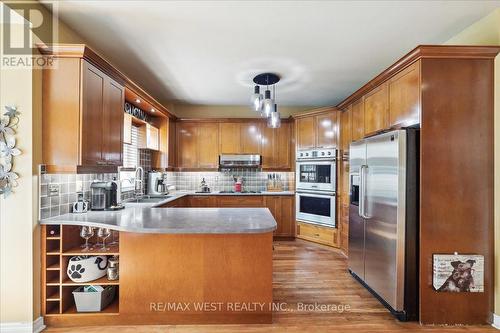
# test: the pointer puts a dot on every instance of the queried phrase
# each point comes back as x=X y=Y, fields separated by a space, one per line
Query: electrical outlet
x=54 y=189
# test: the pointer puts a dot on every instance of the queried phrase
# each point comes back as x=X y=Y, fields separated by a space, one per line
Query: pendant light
x=268 y=104
x=274 y=120
x=256 y=99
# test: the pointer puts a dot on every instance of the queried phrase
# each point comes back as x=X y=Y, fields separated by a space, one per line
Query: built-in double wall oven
x=316 y=183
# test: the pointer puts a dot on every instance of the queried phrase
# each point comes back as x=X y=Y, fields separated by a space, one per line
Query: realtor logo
x=25 y=26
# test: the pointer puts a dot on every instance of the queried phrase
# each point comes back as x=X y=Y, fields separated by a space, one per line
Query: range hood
x=228 y=161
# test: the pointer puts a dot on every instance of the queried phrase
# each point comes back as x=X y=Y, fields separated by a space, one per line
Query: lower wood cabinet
x=318 y=234
x=283 y=210
x=281 y=206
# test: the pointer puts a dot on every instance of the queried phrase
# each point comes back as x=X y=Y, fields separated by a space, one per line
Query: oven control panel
x=315 y=154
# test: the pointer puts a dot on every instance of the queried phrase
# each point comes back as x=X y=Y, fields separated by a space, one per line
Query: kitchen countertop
x=149 y=218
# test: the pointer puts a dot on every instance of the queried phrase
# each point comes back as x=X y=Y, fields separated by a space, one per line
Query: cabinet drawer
x=318 y=234
x=240 y=201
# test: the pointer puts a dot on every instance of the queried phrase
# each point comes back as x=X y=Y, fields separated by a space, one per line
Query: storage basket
x=93 y=301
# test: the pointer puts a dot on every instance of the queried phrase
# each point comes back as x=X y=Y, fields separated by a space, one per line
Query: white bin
x=93 y=301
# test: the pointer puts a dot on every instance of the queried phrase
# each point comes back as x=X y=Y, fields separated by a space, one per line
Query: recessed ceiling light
x=137 y=100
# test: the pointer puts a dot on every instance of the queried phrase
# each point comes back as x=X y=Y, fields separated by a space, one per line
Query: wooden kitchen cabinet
x=404 y=97
x=148 y=137
x=197 y=145
x=250 y=138
x=229 y=138
x=275 y=146
x=317 y=130
x=207 y=144
x=202 y=201
x=82 y=117
x=306 y=132
x=358 y=120
x=326 y=130
x=345 y=129
x=240 y=201
x=127 y=128
x=283 y=210
x=318 y=234
x=377 y=109
x=187 y=145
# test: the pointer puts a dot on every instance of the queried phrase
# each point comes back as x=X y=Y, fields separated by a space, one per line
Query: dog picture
x=458 y=273
x=461 y=279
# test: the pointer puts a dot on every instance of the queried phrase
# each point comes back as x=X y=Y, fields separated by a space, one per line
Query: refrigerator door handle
x=362 y=194
x=360 y=204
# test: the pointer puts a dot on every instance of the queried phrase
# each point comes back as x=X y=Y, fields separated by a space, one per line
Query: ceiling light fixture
x=267 y=105
x=274 y=120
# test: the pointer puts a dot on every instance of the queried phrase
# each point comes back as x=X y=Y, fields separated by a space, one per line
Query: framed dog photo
x=458 y=273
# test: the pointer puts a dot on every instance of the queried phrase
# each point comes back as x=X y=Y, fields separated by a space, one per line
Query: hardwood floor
x=306 y=273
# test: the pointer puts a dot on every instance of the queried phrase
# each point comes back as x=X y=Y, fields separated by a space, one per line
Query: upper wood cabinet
x=326 y=127
x=306 y=132
x=318 y=130
x=208 y=143
x=197 y=145
x=377 y=109
x=229 y=138
x=404 y=97
x=358 y=120
x=149 y=137
x=275 y=146
x=127 y=128
x=250 y=138
x=345 y=129
x=82 y=117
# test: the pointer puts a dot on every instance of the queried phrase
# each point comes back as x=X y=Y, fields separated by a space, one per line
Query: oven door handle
x=328 y=194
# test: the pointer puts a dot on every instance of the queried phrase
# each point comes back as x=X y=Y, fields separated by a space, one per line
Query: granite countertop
x=142 y=219
x=150 y=218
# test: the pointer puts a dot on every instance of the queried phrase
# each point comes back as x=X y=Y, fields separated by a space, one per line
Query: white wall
x=17 y=211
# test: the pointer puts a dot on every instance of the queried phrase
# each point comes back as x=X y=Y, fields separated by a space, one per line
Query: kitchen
x=255 y=215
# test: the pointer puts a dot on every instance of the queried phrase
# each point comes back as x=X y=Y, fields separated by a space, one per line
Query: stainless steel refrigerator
x=383 y=218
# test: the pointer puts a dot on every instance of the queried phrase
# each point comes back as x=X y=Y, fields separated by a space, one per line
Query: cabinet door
x=93 y=121
x=208 y=145
x=113 y=113
x=377 y=109
x=306 y=133
x=127 y=128
x=358 y=120
x=268 y=147
x=201 y=201
x=240 y=201
x=345 y=130
x=282 y=146
x=250 y=138
x=229 y=138
x=186 y=145
x=152 y=137
x=326 y=130
x=404 y=97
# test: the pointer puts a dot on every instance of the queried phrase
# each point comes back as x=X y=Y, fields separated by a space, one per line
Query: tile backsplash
x=223 y=181
x=66 y=186
x=59 y=191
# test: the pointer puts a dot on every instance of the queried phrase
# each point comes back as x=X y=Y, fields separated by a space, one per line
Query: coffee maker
x=157 y=184
x=103 y=196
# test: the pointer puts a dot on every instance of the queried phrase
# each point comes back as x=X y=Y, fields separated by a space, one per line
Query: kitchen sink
x=147 y=199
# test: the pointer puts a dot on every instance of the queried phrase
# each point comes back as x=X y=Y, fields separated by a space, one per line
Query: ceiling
x=207 y=52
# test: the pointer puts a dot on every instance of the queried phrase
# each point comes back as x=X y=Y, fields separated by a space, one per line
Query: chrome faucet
x=139 y=181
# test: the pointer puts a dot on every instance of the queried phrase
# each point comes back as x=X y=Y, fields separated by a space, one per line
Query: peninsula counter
x=177 y=266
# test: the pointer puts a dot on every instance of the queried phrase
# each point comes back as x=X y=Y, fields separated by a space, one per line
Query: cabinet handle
x=317 y=235
x=101 y=163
